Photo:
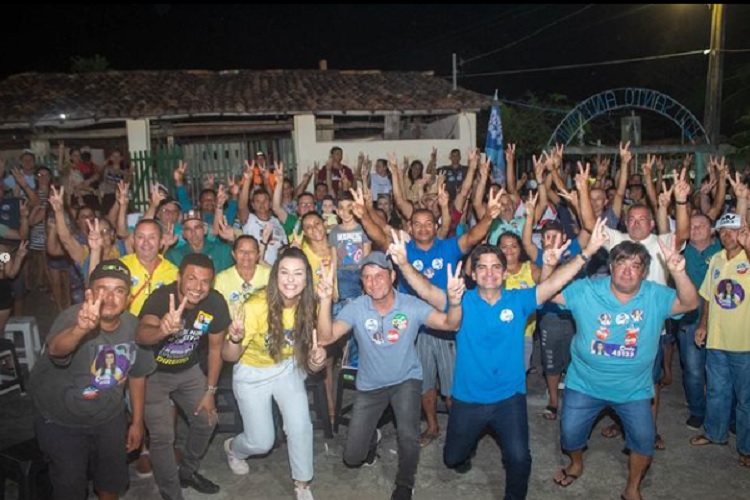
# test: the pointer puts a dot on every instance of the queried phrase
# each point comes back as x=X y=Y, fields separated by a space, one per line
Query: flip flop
x=702 y=440
x=550 y=413
x=566 y=480
x=659 y=443
x=611 y=431
x=427 y=437
x=744 y=460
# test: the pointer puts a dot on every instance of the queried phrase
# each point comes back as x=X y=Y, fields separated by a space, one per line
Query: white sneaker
x=237 y=465
x=303 y=493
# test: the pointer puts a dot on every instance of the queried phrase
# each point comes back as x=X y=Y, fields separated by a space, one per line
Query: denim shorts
x=579 y=411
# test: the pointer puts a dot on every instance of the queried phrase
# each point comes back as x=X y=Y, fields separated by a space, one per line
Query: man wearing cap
x=385 y=323
x=78 y=389
x=725 y=315
x=175 y=320
x=698 y=252
x=194 y=232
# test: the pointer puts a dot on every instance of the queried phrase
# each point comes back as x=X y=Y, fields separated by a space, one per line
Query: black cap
x=111 y=269
x=376 y=258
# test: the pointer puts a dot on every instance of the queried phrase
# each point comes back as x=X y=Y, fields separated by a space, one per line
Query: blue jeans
x=693 y=369
x=728 y=373
x=509 y=420
x=579 y=411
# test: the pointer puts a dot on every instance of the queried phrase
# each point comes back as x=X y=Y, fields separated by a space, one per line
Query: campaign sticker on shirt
x=605 y=319
x=234 y=296
x=506 y=315
x=429 y=273
x=622 y=319
x=392 y=336
x=202 y=321
x=418 y=265
x=602 y=333
x=134 y=280
x=742 y=268
x=599 y=348
x=637 y=315
x=371 y=325
x=631 y=337
x=729 y=294
x=716 y=273
x=400 y=321
x=437 y=264
x=90 y=392
x=377 y=337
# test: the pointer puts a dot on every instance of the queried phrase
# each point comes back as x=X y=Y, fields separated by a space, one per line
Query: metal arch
x=627 y=97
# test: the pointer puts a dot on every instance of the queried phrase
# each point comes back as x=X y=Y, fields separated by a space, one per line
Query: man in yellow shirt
x=249 y=276
x=148 y=269
x=724 y=317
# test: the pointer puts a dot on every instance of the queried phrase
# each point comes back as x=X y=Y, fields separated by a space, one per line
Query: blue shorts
x=579 y=411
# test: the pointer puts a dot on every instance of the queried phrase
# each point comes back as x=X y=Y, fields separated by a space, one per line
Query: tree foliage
x=93 y=64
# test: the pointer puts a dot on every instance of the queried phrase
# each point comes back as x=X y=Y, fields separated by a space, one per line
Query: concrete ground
x=681 y=471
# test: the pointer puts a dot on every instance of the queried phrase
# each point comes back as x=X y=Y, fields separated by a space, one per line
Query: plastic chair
x=23 y=462
x=10 y=382
x=25 y=326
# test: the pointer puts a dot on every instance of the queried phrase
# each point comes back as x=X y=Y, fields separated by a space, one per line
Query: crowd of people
x=443 y=280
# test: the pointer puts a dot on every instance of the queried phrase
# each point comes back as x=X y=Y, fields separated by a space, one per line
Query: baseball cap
x=376 y=258
x=729 y=221
x=192 y=214
x=166 y=201
x=111 y=269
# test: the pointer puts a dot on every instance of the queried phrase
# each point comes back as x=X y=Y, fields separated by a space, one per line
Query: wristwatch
x=212 y=389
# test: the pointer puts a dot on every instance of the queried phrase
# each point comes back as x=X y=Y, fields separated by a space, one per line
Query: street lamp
x=712 y=117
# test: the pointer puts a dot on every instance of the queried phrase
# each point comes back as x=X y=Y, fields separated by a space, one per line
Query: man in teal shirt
x=194 y=233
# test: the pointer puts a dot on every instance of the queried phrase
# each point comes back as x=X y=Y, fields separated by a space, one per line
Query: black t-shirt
x=179 y=352
x=86 y=388
x=454 y=177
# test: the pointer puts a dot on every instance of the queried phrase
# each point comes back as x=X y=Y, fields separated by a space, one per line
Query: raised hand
x=570 y=196
x=675 y=262
x=18 y=176
x=456 y=285
x=540 y=166
x=237 y=326
x=582 y=177
x=209 y=181
x=530 y=202
x=226 y=232
x=551 y=256
x=739 y=187
x=221 y=197
x=267 y=234
x=23 y=208
x=602 y=166
x=625 y=154
x=179 y=172
x=510 y=153
x=168 y=238
x=248 y=173
x=23 y=249
x=442 y=196
x=687 y=161
x=648 y=166
x=397 y=249
x=358 y=207
x=708 y=187
x=123 y=197
x=232 y=186
x=556 y=156
x=743 y=235
x=665 y=197
x=56 y=198
x=473 y=156
x=599 y=236
x=493 y=203
x=316 y=358
x=157 y=195
x=325 y=285
x=94 y=236
x=681 y=187
x=171 y=323
x=88 y=314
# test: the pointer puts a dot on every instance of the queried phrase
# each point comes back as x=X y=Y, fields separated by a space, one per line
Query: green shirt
x=220 y=253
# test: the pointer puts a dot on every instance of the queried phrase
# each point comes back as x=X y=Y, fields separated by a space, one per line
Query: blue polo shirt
x=613 y=351
x=696 y=266
x=489 y=346
x=386 y=343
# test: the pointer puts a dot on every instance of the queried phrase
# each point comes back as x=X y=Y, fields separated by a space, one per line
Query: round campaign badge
x=392 y=336
x=506 y=315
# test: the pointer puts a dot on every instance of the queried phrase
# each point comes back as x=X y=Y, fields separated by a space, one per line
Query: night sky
x=404 y=37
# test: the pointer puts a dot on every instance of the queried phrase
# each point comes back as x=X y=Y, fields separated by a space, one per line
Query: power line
x=526 y=105
x=584 y=65
x=531 y=35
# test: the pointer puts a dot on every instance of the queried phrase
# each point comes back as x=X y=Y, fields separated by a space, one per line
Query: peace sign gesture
x=551 y=256
x=739 y=188
x=397 y=249
x=171 y=323
x=316 y=358
x=88 y=314
x=493 y=204
x=325 y=285
x=675 y=262
x=95 y=235
x=179 y=172
x=237 y=326
x=456 y=286
x=56 y=198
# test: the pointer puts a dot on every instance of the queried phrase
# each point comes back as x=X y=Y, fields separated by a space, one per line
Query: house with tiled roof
x=296 y=114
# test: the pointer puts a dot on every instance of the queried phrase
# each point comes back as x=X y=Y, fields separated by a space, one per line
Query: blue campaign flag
x=494 y=147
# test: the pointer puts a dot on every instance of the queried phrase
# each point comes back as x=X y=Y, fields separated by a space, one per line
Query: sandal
x=550 y=413
x=659 y=443
x=427 y=437
x=702 y=440
x=744 y=460
x=611 y=431
x=566 y=479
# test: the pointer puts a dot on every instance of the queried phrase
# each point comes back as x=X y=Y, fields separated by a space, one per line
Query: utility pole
x=712 y=118
x=455 y=72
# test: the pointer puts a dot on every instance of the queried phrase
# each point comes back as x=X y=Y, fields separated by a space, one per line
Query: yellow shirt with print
x=143 y=284
x=725 y=287
x=256 y=332
x=230 y=284
x=521 y=280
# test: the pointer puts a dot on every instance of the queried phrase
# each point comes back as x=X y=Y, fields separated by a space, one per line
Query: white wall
x=307 y=150
x=139 y=135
